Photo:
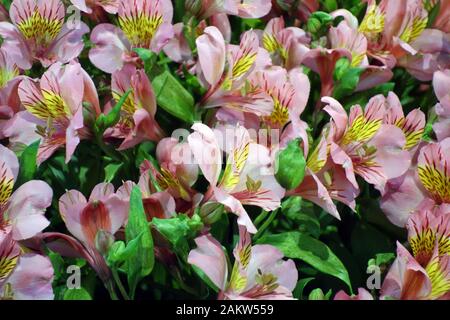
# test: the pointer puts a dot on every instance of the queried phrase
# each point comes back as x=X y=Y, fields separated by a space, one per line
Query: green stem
x=261 y=217
x=112 y=293
x=105 y=149
x=266 y=224
x=119 y=284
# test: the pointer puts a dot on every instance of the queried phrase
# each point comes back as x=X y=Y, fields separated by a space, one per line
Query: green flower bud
x=290 y=165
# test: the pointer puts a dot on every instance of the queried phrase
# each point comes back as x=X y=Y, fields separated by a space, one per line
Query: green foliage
x=346 y=78
x=27 y=162
x=290 y=165
x=173 y=97
x=77 y=294
x=300 y=246
x=141 y=262
x=178 y=229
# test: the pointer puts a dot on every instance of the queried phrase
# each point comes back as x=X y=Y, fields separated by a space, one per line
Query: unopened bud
x=103 y=241
x=211 y=212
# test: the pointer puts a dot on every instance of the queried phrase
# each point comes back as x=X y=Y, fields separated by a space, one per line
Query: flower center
x=436 y=182
x=140 y=29
x=51 y=107
x=43 y=30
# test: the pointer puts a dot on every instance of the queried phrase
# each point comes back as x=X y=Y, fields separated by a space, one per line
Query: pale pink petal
x=363 y=294
x=9 y=159
x=406 y=279
x=81 y=5
x=101 y=192
x=69 y=43
x=27 y=206
x=32 y=279
x=211 y=53
x=339 y=115
x=162 y=36
x=206 y=151
x=236 y=207
x=391 y=155
x=210 y=258
x=71 y=204
x=254 y=8
x=15 y=44
x=110 y=47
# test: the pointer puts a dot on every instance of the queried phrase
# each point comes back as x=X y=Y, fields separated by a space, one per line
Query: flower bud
x=211 y=212
x=290 y=165
x=103 y=241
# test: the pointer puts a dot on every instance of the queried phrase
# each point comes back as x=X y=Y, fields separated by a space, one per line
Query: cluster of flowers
x=62 y=79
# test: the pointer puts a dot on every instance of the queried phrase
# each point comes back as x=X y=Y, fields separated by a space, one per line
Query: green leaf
x=112 y=118
x=119 y=252
x=111 y=170
x=381 y=259
x=173 y=97
x=290 y=165
x=433 y=13
x=318 y=22
x=317 y=294
x=58 y=265
x=28 y=165
x=330 y=5
x=300 y=287
x=348 y=82
x=341 y=67
x=144 y=152
x=77 y=294
x=150 y=62
x=306 y=219
x=179 y=229
x=141 y=264
x=296 y=245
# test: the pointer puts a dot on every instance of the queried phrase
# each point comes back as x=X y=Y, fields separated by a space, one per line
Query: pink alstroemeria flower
x=285 y=45
x=362 y=144
x=178 y=169
x=20 y=133
x=259 y=271
x=441 y=86
x=92 y=220
x=348 y=37
x=326 y=181
x=397 y=35
x=225 y=69
x=38 y=33
x=142 y=24
x=110 y=6
x=204 y=9
x=21 y=211
x=412 y=125
x=425 y=186
x=425 y=275
x=55 y=104
x=289 y=92
x=23 y=276
x=248 y=178
x=9 y=80
x=363 y=294
x=137 y=120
